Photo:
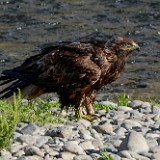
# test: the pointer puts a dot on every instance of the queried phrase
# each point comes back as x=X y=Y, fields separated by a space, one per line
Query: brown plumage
x=76 y=71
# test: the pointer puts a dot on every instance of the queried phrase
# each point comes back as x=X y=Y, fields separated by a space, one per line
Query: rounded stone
x=82 y=157
x=87 y=145
x=73 y=147
x=32 y=150
x=67 y=155
x=135 y=142
x=29 y=129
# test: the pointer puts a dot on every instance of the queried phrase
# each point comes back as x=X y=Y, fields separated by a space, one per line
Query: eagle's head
x=123 y=46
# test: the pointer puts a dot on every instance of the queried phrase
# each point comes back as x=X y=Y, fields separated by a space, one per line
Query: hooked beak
x=136 y=46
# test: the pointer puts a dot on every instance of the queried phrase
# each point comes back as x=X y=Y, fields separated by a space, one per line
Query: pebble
x=135 y=142
x=125 y=133
x=73 y=147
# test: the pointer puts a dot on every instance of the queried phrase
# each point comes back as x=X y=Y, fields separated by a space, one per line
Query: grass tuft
x=105 y=107
x=8 y=121
x=17 y=111
x=123 y=99
x=105 y=155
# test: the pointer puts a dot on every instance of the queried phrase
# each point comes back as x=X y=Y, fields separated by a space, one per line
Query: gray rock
x=124 y=108
x=34 y=157
x=109 y=103
x=135 y=104
x=16 y=147
x=41 y=140
x=125 y=154
x=82 y=157
x=130 y=124
x=146 y=105
x=73 y=147
x=29 y=129
x=115 y=156
x=137 y=156
x=63 y=132
x=32 y=150
x=156 y=110
x=25 y=138
x=152 y=143
x=97 y=143
x=156 y=156
x=117 y=143
x=67 y=155
x=19 y=153
x=87 y=145
x=103 y=128
x=5 y=154
x=135 y=142
x=85 y=134
x=120 y=131
x=135 y=114
x=84 y=123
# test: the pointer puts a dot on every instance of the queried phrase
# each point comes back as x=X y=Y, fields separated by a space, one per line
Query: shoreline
x=125 y=133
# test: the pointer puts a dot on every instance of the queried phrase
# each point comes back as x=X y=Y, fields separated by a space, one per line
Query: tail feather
x=12 y=81
x=2 y=78
x=8 y=91
x=7 y=81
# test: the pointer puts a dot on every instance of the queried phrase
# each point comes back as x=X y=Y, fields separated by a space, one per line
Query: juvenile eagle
x=76 y=71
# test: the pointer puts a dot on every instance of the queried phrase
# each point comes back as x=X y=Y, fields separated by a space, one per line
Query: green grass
x=122 y=99
x=105 y=107
x=12 y=113
x=105 y=155
x=38 y=112
x=8 y=121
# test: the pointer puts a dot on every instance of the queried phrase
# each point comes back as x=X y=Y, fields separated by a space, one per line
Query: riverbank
x=124 y=133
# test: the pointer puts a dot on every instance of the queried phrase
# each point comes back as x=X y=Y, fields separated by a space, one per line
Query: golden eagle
x=76 y=71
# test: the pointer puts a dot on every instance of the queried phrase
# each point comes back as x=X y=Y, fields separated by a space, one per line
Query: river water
x=25 y=26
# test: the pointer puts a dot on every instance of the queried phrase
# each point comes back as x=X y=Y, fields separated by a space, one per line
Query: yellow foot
x=90 y=117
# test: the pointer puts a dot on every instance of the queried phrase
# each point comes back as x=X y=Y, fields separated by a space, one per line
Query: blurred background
x=27 y=25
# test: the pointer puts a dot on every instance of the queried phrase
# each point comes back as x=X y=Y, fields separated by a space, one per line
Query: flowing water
x=25 y=26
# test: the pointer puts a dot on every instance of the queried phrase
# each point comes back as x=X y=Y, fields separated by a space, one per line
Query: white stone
x=67 y=155
x=87 y=145
x=73 y=147
x=135 y=142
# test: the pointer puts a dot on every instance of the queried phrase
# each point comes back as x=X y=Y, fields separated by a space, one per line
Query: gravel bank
x=128 y=133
